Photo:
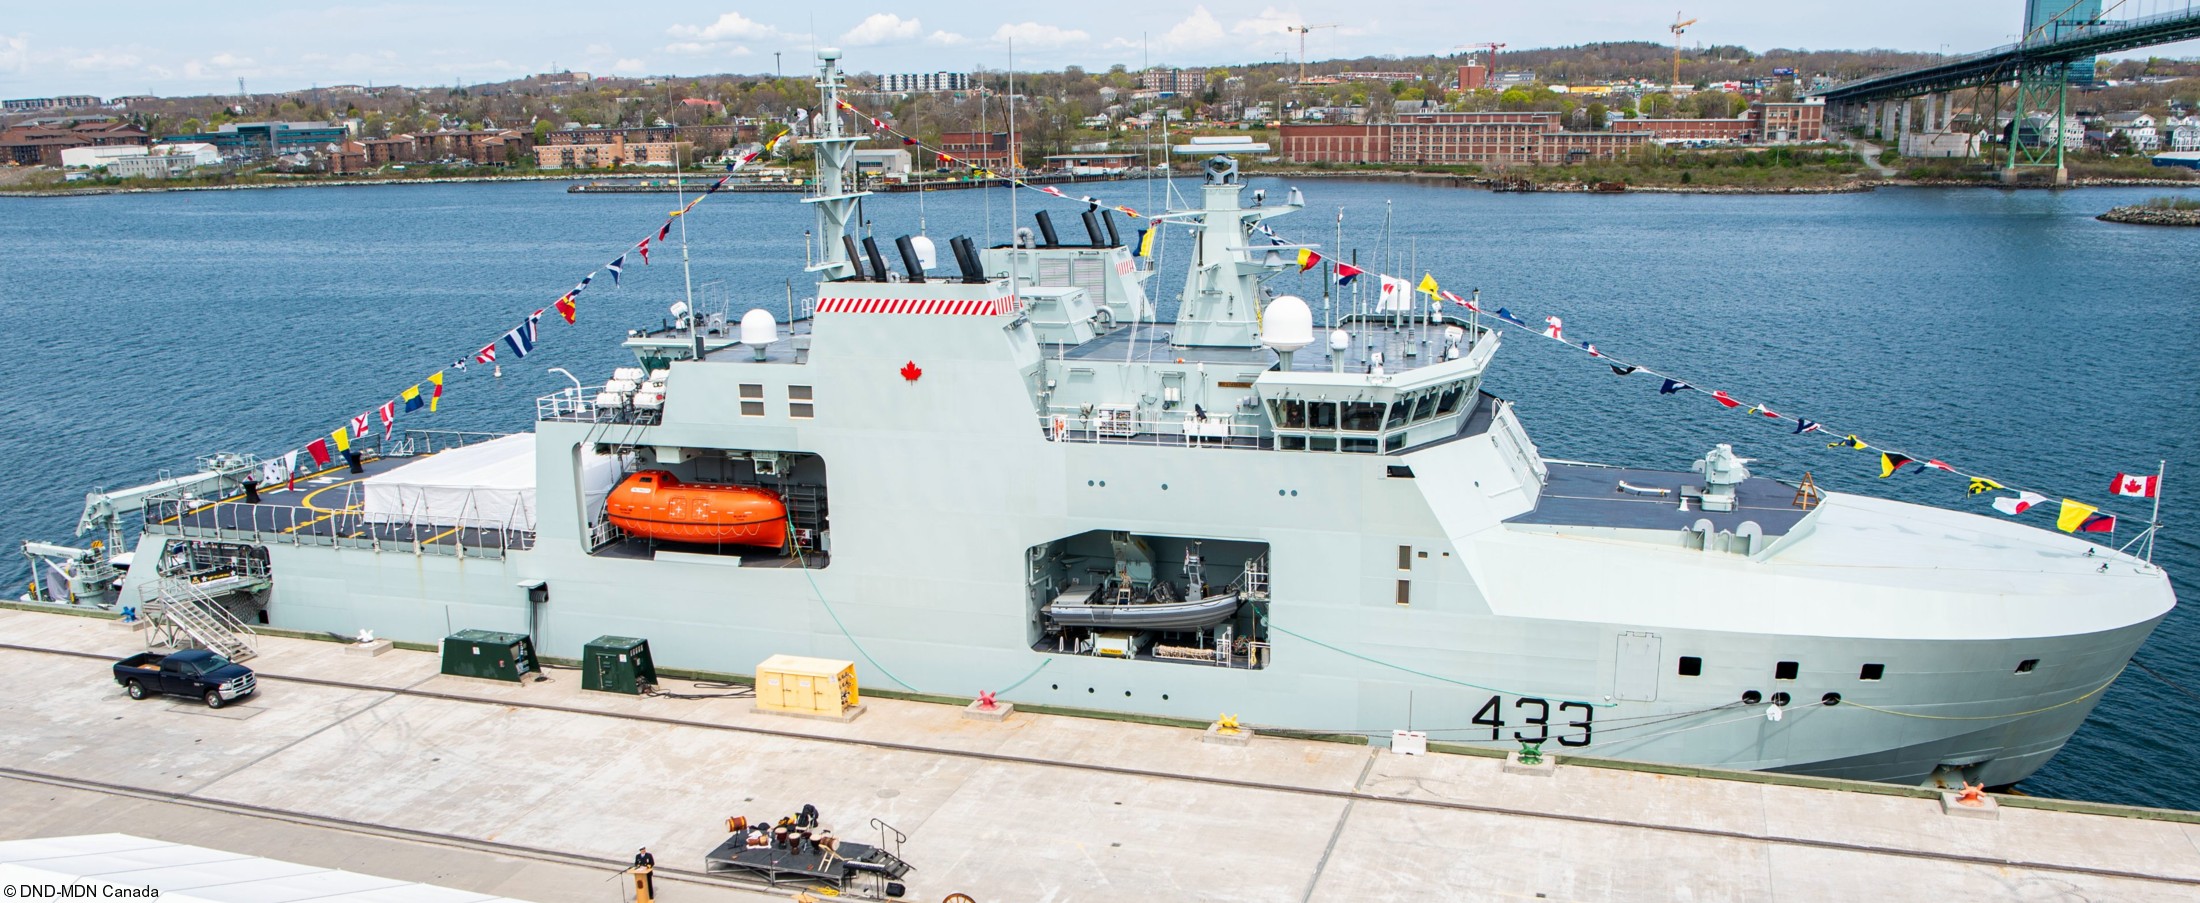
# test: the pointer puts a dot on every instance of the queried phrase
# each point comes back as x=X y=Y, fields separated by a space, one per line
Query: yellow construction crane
x=1678 y=27
x=1301 y=31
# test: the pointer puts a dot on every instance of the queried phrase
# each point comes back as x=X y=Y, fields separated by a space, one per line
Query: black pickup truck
x=192 y=672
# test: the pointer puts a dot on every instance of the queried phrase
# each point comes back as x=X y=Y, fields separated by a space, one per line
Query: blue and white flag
x=615 y=267
x=522 y=337
x=1805 y=426
x=1508 y=317
x=1673 y=385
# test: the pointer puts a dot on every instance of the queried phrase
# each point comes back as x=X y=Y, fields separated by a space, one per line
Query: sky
x=172 y=49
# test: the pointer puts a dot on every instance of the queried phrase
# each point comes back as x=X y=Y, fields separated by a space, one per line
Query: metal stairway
x=184 y=615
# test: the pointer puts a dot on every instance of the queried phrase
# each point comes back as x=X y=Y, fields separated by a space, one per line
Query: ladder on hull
x=183 y=615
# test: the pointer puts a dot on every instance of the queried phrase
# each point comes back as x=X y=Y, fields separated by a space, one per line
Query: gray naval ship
x=1002 y=474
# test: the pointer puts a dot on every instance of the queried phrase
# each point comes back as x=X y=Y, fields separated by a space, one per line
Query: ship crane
x=1678 y=28
x=1301 y=31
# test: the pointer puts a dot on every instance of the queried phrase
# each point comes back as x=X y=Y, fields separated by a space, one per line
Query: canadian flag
x=2133 y=484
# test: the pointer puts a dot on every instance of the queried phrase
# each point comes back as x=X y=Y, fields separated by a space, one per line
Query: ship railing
x=345 y=527
x=576 y=404
x=1184 y=430
x=428 y=442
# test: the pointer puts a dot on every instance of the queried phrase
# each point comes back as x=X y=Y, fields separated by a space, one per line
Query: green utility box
x=617 y=664
x=486 y=653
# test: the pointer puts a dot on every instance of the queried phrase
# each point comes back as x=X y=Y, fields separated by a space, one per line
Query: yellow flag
x=2073 y=516
x=1428 y=285
x=437 y=394
x=1145 y=245
x=342 y=437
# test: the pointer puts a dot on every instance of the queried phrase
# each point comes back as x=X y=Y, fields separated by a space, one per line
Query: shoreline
x=1485 y=183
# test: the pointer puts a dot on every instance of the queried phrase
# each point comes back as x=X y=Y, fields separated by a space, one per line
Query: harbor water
x=2005 y=332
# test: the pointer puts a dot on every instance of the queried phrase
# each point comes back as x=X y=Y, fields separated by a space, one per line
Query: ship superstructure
x=999 y=472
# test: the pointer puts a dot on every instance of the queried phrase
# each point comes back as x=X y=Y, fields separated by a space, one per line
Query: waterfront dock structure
x=534 y=790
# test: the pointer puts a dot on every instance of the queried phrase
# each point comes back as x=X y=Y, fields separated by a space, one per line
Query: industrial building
x=982 y=149
x=266 y=139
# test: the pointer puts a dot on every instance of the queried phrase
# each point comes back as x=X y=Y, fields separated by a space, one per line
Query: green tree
x=542 y=131
x=1598 y=113
x=1657 y=106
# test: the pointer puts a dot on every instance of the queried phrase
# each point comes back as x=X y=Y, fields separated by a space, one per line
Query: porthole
x=1164 y=487
x=1164 y=697
x=1785 y=671
x=1752 y=697
x=1872 y=672
x=1088 y=689
x=1126 y=694
x=1054 y=686
x=1691 y=666
x=2026 y=666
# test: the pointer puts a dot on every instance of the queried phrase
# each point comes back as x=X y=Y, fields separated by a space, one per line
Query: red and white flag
x=487 y=354
x=2143 y=486
x=389 y=418
x=1554 y=328
x=358 y=426
x=2014 y=505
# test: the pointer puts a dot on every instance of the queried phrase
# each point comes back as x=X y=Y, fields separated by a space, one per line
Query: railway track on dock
x=1343 y=795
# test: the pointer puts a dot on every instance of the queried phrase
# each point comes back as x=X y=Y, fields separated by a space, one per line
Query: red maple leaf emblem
x=910 y=371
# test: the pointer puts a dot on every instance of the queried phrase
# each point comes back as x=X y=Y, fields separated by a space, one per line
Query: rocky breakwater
x=2154 y=215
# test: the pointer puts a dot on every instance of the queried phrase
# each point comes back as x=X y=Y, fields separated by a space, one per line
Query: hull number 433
x=1531 y=720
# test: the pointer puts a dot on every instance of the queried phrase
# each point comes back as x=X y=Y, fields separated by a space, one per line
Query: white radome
x=1288 y=324
x=758 y=327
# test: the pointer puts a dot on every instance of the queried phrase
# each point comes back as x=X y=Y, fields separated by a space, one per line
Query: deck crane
x=1678 y=28
x=1301 y=31
x=1491 y=47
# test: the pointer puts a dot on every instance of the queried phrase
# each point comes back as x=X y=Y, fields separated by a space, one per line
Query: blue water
x=2006 y=332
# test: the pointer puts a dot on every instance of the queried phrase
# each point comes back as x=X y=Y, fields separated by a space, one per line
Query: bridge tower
x=2042 y=88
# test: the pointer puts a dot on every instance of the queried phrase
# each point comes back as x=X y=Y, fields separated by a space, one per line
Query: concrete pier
x=540 y=791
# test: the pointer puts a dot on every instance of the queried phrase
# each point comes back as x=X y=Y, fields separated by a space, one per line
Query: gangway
x=183 y=615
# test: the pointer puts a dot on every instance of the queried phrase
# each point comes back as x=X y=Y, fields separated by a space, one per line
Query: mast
x=836 y=206
x=687 y=275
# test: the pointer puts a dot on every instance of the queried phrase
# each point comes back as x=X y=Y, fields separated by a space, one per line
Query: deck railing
x=296 y=525
x=1187 y=429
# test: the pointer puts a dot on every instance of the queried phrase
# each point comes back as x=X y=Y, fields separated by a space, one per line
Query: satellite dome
x=758 y=328
x=927 y=256
x=1288 y=325
x=1339 y=340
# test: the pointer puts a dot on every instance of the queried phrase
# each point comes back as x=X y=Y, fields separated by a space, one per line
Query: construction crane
x=1301 y=31
x=1678 y=28
x=1491 y=48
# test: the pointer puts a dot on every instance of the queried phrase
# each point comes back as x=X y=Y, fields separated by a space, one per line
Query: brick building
x=1472 y=76
x=1733 y=130
x=1454 y=138
x=42 y=145
x=1798 y=121
x=989 y=150
x=617 y=152
x=719 y=136
x=482 y=147
x=1176 y=81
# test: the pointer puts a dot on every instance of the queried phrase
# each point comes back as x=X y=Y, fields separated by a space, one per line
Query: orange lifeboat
x=655 y=504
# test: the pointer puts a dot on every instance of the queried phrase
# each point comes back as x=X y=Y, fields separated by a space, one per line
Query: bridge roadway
x=2007 y=63
x=541 y=791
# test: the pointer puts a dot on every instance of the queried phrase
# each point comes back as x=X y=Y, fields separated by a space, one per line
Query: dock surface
x=542 y=791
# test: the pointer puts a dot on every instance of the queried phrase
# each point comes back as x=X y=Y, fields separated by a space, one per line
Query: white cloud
x=1200 y=29
x=230 y=60
x=15 y=51
x=599 y=50
x=881 y=28
x=729 y=27
x=100 y=60
x=946 y=38
x=1035 y=35
x=700 y=48
x=628 y=64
